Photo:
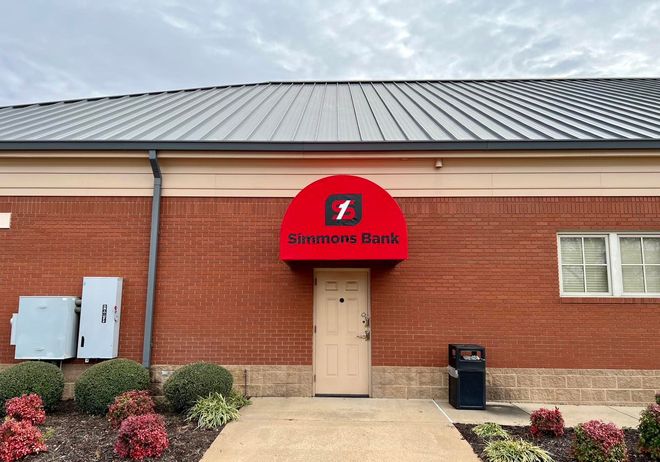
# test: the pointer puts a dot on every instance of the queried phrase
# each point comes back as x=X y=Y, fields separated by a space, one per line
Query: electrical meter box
x=45 y=328
x=100 y=316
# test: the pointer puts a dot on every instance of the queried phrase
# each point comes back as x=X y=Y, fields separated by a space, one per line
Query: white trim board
x=5 y=220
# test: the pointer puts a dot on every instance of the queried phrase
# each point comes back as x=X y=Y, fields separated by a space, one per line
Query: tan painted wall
x=262 y=177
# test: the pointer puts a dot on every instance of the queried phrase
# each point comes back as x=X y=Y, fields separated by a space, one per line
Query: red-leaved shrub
x=19 y=439
x=597 y=441
x=142 y=436
x=130 y=404
x=28 y=408
x=649 y=431
x=546 y=421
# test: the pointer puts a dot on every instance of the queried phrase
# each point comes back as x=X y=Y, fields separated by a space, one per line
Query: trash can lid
x=467 y=346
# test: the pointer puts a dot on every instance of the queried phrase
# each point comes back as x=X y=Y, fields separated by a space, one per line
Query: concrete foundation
x=560 y=386
x=259 y=380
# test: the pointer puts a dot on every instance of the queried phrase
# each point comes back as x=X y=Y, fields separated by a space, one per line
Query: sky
x=57 y=50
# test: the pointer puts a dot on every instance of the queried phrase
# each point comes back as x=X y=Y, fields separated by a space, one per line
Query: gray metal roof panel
x=488 y=125
x=460 y=111
x=388 y=126
x=364 y=113
x=291 y=119
x=327 y=129
x=601 y=106
x=347 y=125
x=203 y=121
x=450 y=129
x=589 y=124
x=307 y=126
x=398 y=113
x=523 y=117
x=431 y=127
x=445 y=111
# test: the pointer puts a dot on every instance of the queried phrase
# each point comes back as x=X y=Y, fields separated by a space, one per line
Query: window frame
x=641 y=236
x=614 y=265
x=607 y=265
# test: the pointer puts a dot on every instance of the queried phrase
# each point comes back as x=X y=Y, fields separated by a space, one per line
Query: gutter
x=355 y=146
x=153 y=257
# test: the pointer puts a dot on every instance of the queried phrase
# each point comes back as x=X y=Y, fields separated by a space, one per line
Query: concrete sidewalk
x=354 y=429
x=346 y=429
x=518 y=414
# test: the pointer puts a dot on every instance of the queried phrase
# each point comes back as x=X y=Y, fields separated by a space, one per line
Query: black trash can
x=467 y=376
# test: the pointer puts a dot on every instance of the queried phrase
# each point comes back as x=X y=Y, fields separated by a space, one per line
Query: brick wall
x=54 y=242
x=481 y=270
x=485 y=271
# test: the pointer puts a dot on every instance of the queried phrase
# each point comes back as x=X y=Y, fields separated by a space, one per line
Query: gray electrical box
x=45 y=328
x=100 y=316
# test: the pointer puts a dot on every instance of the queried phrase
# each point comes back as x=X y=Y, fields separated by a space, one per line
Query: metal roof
x=458 y=112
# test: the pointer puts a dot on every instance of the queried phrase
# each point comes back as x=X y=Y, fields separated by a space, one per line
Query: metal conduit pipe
x=153 y=257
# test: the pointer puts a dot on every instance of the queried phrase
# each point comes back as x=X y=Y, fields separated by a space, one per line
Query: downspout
x=153 y=256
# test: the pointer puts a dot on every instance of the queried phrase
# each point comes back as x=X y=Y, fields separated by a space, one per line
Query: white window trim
x=614 y=270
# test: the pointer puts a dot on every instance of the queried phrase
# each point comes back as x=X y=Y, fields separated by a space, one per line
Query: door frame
x=342 y=270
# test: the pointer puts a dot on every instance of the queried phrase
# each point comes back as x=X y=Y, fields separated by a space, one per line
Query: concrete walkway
x=518 y=414
x=353 y=429
x=332 y=429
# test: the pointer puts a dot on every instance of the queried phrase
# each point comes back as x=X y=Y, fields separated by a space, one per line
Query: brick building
x=528 y=221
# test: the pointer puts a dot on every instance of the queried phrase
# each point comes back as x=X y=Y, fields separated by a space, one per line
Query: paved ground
x=354 y=429
x=332 y=429
x=518 y=414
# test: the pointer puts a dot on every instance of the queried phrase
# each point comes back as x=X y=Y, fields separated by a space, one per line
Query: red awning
x=343 y=217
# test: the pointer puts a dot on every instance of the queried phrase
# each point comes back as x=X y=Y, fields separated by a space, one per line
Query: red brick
x=481 y=270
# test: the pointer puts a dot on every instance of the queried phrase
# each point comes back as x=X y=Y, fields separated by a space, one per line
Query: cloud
x=62 y=50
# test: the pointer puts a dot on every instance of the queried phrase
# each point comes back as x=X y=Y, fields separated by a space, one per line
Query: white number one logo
x=342 y=209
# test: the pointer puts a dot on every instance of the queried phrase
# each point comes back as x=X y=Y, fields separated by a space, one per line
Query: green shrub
x=657 y=398
x=238 y=399
x=195 y=381
x=508 y=450
x=212 y=412
x=490 y=430
x=44 y=379
x=597 y=441
x=99 y=385
x=649 y=431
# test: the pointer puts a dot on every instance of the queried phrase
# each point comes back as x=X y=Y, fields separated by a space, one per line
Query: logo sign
x=343 y=210
x=343 y=217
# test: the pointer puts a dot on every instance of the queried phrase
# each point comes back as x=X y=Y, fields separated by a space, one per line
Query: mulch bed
x=78 y=437
x=559 y=448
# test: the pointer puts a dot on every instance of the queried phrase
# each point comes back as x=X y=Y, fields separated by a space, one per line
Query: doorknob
x=366 y=336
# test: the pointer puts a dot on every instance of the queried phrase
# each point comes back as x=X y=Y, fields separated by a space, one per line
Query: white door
x=342 y=332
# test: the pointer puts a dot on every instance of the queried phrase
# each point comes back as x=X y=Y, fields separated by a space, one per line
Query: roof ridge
x=310 y=82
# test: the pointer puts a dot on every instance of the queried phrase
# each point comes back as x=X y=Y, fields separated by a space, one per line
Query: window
x=584 y=264
x=609 y=264
x=640 y=263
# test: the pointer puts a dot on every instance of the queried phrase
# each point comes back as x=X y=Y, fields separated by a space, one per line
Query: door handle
x=366 y=336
